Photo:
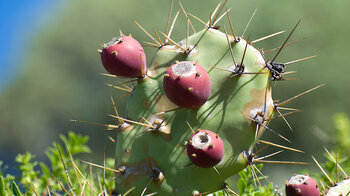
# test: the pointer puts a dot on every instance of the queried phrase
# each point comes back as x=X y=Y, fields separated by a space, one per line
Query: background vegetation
x=59 y=79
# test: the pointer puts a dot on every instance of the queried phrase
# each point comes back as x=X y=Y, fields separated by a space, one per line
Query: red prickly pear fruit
x=302 y=185
x=124 y=56
x=187 y=84
x=205 y=149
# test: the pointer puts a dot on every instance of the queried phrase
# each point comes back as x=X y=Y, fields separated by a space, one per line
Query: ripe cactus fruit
x=205 y=148
x=187 y=84
x=124 y=56
x=302 y=185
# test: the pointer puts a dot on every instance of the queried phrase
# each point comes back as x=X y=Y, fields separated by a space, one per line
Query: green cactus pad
x=236 y=103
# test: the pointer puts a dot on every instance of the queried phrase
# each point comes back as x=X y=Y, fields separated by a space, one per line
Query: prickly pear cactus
x=156 y=131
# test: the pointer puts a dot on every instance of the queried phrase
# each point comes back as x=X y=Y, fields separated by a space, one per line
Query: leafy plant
x=62 y=176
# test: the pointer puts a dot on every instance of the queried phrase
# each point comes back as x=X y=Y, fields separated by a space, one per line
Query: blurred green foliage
x=340 y=153
x=64 y=174
x=59 y=79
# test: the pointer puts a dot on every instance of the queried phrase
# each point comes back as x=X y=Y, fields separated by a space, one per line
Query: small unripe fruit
x=205 y=149
x=302 y=185
x=187 y=84
x=124 y=56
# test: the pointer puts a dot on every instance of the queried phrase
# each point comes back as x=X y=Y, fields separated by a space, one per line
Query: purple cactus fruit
x=187 y=84
x=205 y=148
x=302 y=185
x=124 y=56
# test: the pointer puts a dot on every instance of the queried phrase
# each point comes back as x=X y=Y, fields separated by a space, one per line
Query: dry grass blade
x=280 y=146
x=102 y=167
x=128 y=191
x=32 y=188
x=82 y=192
x=266 y=37
x=91 y=181
x=104 y=171
x=299 y=95
x=90 y=185
x=65 y=169
x=231 y=191
x=255 y=177
x=324 y=172
x=336 y=162
x=48 y=190
x=60 y=184
x=75 y=170
x=298 y=60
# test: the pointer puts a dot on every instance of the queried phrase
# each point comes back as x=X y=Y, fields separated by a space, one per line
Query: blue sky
x=18 y=21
